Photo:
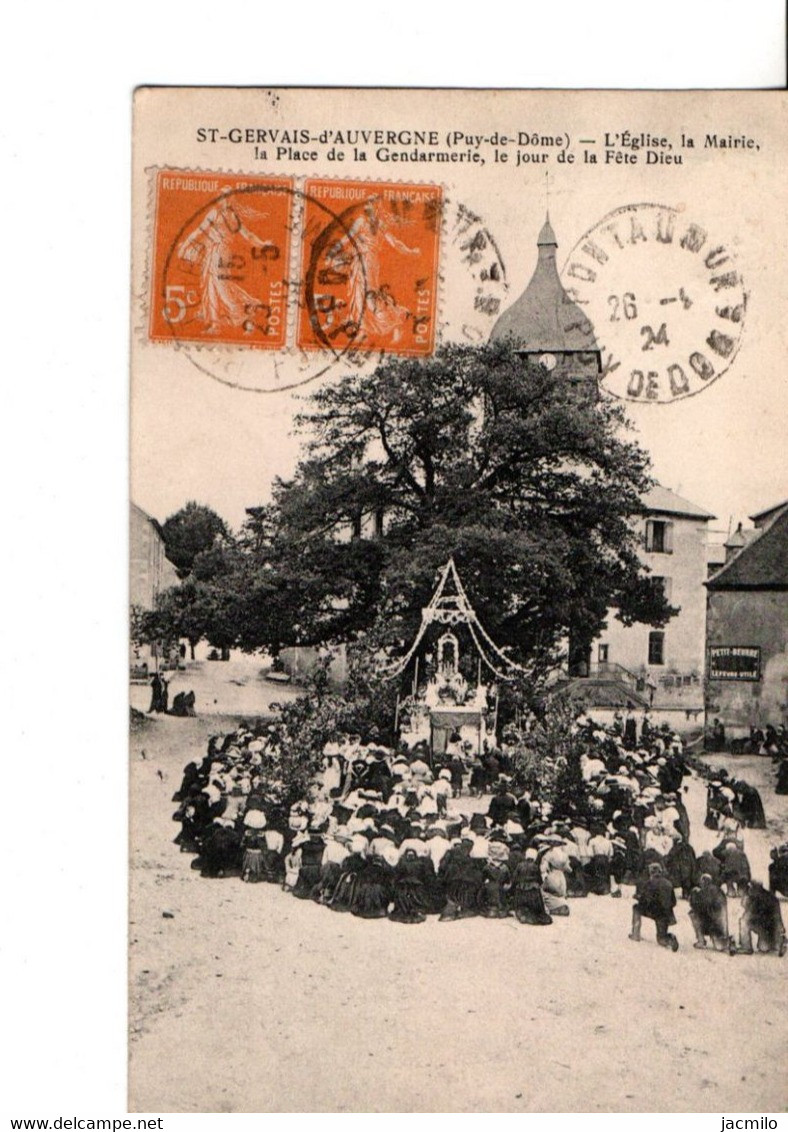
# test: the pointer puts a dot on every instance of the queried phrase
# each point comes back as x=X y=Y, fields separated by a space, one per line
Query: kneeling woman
x=311 y=856
x=413 y=889
x=373 y=887
x=464 y=882
x=497 y=880
x=555 y=865
x=526 y=897
x=342 y=897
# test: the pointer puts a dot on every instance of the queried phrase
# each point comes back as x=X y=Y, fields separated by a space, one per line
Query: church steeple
x=545 y=324
x=547 y=235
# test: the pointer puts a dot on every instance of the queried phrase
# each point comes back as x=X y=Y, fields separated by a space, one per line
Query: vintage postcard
x=459 y=602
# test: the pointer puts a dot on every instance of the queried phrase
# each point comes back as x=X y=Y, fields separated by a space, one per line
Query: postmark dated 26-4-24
x=665 y=299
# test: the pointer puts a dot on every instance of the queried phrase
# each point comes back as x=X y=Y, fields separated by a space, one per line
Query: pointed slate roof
x=760 y=518
x=544 y=318
x=666 y=502
x=760 y=565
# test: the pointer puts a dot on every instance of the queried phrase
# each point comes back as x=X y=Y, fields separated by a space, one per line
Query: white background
x=68 y=77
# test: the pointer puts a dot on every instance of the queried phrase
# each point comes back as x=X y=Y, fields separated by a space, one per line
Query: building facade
x=668 y=664
x=150 y=570
x=150 y=574
x=747 y=628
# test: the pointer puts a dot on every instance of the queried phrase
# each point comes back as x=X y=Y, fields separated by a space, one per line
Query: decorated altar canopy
x=450 y=606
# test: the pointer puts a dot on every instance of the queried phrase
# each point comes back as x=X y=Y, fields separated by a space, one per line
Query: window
x=659 y=536
x=667 y=586
x=603 y=653
x=656 y=648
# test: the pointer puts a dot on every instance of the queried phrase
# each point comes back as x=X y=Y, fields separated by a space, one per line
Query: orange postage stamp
x=220 y=258
x=369 y=266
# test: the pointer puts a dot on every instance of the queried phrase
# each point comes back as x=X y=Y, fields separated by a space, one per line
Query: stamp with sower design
x=370 y=276
x=221 y=259
x=312 y=274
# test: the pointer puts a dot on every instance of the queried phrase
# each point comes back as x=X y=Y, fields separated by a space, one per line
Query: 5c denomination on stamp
x=220 y=259
x=312 y=274
x=665 y=299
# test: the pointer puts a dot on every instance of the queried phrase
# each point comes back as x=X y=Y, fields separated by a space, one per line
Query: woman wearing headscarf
x=782 y=777
x=497 y=879
x=335 y=853
x=309 y=872
x=778 y=869
x=372 y=891
x=190 y=780
x=194 y=816
x=464 y=884
x=253 y=844
x=220 y=852
x=554 y=863
x=750 y=806
x=412 y=886
x=599 y=868
x=342 y=898
x=293 y=862
x=525 y=896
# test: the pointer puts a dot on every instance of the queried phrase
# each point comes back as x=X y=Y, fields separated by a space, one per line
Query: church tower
x=544 y=325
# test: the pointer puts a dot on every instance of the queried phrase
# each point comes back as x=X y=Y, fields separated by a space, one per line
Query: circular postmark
x=665 y=300
x=266 y=286
x=474 y=277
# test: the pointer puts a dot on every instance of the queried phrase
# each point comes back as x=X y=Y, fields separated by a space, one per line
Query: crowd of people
x=376 y=835
x=769 y=740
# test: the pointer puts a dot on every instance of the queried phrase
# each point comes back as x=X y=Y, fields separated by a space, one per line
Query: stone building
x=150 y=573
x=747 y=627
x=150 y=570
x=667 y=664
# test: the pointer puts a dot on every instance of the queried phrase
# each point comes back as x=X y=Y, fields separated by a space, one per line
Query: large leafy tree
x=473 y=453
x=189 y=532
x=207 y=604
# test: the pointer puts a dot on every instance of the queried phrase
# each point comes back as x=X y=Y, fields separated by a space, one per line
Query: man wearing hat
x=709 y=914
x=502 y=803
x=761 y=913
x=655 y=899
